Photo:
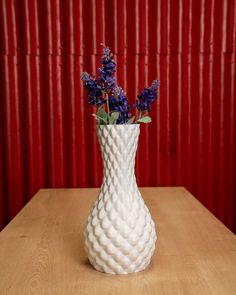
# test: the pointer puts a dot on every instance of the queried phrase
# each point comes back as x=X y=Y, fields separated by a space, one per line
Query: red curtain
x=47 y=132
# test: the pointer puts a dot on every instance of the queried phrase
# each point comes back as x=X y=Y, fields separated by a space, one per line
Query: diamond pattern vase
x=120 y=234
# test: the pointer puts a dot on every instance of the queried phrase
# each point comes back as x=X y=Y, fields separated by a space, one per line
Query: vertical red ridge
x=2 y=166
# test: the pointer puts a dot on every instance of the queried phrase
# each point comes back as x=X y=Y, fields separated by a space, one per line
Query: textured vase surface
x=120 y=234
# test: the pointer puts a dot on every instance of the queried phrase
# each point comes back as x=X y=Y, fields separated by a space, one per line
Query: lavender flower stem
x=108 y=110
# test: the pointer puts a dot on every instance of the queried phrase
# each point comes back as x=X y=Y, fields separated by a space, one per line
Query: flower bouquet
x=104 y=91
x=120 y=234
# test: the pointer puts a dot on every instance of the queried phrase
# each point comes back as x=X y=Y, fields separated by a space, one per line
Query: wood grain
x=41 y=250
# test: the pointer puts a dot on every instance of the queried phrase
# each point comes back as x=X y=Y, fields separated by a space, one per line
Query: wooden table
x=41 y=250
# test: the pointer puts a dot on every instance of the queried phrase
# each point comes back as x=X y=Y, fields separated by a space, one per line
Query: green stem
x=140 y=115
x=108 y=110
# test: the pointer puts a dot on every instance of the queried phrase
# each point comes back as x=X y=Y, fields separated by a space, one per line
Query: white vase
x=120 y=234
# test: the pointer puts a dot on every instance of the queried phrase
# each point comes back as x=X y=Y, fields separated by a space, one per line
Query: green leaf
x=145 y=119
x=131 y=120
x=101 y=113
x=114 y=117
x=100 y=120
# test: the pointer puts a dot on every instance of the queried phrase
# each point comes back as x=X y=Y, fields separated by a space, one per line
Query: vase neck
x=118 y=145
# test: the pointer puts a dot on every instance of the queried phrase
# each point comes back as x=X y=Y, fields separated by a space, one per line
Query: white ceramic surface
x=120 y=234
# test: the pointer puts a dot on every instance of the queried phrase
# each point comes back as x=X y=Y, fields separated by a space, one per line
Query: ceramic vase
x=120 y=234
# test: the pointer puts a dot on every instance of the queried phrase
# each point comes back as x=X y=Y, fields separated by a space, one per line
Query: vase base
x=120 y=271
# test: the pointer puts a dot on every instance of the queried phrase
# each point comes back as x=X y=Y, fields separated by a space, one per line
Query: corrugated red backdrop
x=47 y=132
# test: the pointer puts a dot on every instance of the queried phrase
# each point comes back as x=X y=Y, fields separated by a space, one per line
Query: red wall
x=47 y=132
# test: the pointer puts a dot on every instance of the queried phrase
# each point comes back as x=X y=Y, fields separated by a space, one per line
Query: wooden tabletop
x=41 y=250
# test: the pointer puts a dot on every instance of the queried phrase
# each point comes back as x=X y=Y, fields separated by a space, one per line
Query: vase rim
x=119 y=126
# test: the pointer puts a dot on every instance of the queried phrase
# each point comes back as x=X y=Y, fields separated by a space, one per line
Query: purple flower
x=107 y=72
x=147 y=97
x=119 y=102
x=94 y=90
